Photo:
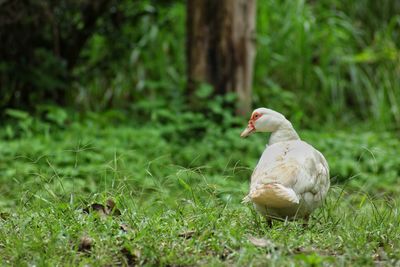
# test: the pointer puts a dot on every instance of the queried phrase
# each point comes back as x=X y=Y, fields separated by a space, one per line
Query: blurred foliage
x=317 y=61
x=324 y=60
x=91 y=53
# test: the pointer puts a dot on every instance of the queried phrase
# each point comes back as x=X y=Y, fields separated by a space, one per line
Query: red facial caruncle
x=253 y=118
x=251 y=127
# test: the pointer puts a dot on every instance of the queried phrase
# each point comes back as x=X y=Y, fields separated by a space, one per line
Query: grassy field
x=178 y=198
x=105 y=161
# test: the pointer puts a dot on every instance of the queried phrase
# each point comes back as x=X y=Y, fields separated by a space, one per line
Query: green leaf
x=185 y=185
x=204 y=90
x=17 y=114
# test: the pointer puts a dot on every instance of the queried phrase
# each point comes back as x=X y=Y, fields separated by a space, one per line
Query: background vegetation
x=120 y=54
x=94 y=106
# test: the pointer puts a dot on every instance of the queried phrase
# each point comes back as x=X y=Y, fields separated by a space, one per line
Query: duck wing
x=289 y=173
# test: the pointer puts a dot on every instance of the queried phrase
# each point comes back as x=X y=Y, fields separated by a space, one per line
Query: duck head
x=263 y=120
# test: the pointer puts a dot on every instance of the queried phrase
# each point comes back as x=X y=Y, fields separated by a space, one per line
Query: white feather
x=291 y=178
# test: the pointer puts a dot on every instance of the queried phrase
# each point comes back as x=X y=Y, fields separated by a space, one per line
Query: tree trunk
x=220 y=47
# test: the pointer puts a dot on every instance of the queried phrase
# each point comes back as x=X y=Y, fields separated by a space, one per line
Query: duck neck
x=285 y=132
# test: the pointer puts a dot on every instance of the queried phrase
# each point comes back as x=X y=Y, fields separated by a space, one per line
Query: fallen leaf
x=187 y=234
x=85 y=244
x=380 y=255
x=260 y=242
x=111 y=207
x=4 y=215
x=100 y=209
x=103 y=210
x=124 y=227
x=225 y=254
x=132 y=256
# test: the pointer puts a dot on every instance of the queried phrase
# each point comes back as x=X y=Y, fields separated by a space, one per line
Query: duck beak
x=248 y=131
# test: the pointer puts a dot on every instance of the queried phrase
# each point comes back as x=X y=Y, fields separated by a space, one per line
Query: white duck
x=291 y=178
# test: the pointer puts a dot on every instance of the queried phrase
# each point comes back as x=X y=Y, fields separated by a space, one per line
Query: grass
x=179 y=199
x=333 y=51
